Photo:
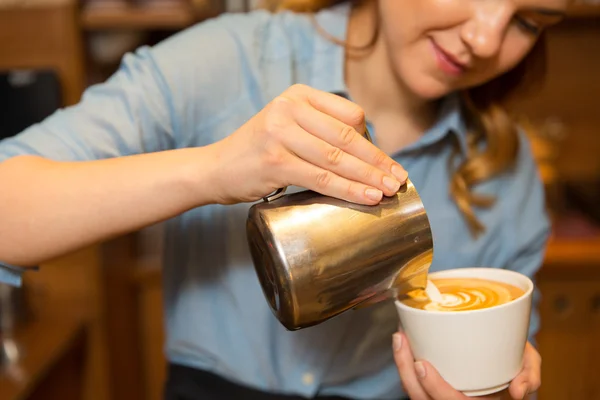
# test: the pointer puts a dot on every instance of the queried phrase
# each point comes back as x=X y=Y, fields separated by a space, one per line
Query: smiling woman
x=221 y=115
x=490 y=51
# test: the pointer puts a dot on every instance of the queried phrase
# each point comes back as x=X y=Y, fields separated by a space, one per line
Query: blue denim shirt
x=199 y=86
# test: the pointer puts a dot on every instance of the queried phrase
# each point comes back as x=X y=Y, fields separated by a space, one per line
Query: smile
x=446 y=62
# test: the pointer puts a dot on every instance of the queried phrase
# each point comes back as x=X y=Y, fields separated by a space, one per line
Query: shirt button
x=308 y=379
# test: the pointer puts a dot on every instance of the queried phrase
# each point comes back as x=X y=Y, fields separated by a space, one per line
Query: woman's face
x=438 y=46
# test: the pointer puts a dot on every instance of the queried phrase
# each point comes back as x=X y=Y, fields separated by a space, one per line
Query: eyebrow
x=549 y=12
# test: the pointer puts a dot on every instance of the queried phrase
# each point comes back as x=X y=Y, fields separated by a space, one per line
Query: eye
x=527 y=25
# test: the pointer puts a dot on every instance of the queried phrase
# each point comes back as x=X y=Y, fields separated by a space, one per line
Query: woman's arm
x=48 y=208
x=79 y=177
x=304 y=137
x=114 y=171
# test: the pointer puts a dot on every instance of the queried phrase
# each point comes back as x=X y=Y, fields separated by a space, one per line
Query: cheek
x=514 y=50
x=395 y=21
x=407 y=21
x=416 y=67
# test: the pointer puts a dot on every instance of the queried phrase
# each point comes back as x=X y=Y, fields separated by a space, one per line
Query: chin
x=429 y=88
x=421 y=83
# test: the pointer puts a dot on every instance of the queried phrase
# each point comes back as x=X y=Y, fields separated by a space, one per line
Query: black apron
x=184 y=383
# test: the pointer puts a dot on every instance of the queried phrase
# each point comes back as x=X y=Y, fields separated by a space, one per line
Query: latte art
x=464 y=294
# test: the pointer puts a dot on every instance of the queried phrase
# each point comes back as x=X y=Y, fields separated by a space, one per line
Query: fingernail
x=374 y=194
x=400 y=173
x=525 y=395
x=397 y=341
x=420 y=369
x=392 y=184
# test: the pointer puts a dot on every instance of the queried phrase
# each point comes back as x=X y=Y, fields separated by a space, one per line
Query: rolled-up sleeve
x=127 y=114
x=527 y=225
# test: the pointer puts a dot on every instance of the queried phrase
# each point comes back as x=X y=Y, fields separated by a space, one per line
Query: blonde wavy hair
x=488 y=122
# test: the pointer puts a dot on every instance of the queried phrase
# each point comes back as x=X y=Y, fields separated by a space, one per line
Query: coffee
x=464 y=294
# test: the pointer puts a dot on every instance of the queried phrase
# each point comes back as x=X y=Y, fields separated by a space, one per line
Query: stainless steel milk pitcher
x=318 y=256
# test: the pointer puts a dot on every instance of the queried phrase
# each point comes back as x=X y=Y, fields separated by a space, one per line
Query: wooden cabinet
x=149 y=289
x=566 y=112
x=134 y=326
x=570 y=312
x=44 y=34
x=53 y=357
x=569 y=340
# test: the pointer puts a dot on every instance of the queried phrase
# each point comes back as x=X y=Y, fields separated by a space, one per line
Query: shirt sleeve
x=10 y=276
x=127 y=114
x=527 y=227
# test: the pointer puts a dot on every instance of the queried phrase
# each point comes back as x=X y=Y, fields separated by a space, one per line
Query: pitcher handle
x=281 y=191
x=275 y=195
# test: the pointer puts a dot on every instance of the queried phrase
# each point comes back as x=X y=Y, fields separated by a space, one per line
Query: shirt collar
x=449 y=121
x=328 y=75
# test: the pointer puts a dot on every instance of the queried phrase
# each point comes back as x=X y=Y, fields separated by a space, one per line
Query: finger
x=519 y=387
x=318 y=152
x=346 y=138
x=338 y=107
x=312 y=177
x=496 y=396
x=405 y=364
x=434 y=384
x=529 y=379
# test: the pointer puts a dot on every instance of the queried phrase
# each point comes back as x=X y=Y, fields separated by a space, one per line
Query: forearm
x=49 y=208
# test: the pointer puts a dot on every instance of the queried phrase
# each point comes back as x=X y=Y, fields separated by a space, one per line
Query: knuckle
x=323 y=179
x=274 y=156
x=334 y=155
x=347 y=135
x=274 y=124
x=380 y=158
x=357 y=116
x=353 y=191
x=367 y=174
x=281 y=103
x=272 y=127
x=298 y=88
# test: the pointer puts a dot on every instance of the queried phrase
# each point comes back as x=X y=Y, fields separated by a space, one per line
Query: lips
x=447 y=62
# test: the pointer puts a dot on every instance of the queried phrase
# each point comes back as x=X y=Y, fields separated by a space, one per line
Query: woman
x=218 y=116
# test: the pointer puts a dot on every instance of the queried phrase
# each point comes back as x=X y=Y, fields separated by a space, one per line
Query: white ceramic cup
x=477 y=352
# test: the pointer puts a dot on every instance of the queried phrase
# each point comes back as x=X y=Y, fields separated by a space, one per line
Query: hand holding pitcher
x=311 y=139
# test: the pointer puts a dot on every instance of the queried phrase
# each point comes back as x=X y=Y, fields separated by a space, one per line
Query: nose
x=486 y=27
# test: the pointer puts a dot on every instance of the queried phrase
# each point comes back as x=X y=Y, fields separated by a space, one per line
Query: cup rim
x=521 y=299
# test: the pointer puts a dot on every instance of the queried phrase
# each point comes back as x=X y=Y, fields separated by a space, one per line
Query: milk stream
x=433 y=292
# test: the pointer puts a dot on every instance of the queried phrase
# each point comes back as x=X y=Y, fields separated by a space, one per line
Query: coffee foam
x=463 y=294
x=433 y=293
